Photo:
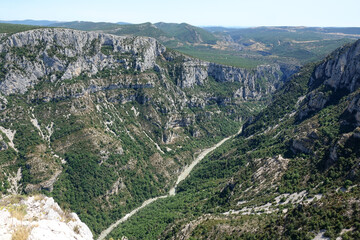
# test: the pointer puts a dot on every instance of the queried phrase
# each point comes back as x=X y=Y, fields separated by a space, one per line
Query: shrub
x=18 y=211
x=21 y=233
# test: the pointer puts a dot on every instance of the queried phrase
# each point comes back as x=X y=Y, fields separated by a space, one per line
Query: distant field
x=222 y=57
x=308 y=51
x=297 y=53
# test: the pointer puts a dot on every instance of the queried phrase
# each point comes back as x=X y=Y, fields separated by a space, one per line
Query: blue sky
x=333 y=13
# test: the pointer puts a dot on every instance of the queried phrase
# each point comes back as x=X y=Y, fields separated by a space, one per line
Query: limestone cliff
x=32 y=55
x=38 y=217
x=59 y=54
x=337 y=75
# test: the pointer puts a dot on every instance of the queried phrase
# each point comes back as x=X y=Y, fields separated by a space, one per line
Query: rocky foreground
x=38 y=217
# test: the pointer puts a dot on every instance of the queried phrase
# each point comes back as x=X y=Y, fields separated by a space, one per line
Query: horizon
x=228 y=13
x=201 y=26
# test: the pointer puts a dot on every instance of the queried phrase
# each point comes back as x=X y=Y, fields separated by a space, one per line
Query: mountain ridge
x=245 y=47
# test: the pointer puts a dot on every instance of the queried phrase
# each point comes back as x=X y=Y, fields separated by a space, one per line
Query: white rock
x=44 y=219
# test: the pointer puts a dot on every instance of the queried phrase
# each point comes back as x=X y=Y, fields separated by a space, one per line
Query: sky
x=230 y=13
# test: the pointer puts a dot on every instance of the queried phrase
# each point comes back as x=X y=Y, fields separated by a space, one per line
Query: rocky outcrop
x=337 y=75
x=3 y=103
x=301 y=146
x=65 y=54
x=353 y=110
x=255 y=83
x=341 y=70
x=3 y=145
x=39 y=217
x=46 y=185
x=193 y=72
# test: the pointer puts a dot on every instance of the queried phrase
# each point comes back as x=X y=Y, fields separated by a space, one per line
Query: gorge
x=108 y=126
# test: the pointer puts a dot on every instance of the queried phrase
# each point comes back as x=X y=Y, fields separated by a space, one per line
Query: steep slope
x=102 y=122
x=293 y=173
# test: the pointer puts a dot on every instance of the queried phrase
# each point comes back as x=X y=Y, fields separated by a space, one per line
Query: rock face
x=3 y=145
x=341 y=70
x=336 y=80
x=353 y=110
x=39 y=217
x=255 y=83
x=339 y=74
x=33 y=56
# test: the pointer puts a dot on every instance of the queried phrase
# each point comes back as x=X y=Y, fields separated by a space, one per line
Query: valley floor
x=183 y=175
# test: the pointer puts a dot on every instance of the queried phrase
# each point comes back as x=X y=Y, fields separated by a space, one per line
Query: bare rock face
x=3 y=145
x=255 y=83
x=39 y=217
x=35 y=54
x=339 y=74
x=341 y=70
x=316 y=101
x=354 y=110
x=3 y=103
x=301 y=145
x=194 y=72
x=46 y=185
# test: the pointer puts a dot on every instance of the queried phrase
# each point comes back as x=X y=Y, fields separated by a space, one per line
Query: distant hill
x=165 y=32
x=171 y=34
x=14 y=28
x=215 y=28
x=31 y=22
x=87 y=26
x=123 y=23
x=351 y=30
x=144 y=29
x=187 y=33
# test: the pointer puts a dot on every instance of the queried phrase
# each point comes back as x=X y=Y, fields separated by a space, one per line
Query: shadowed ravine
x=184 y=174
